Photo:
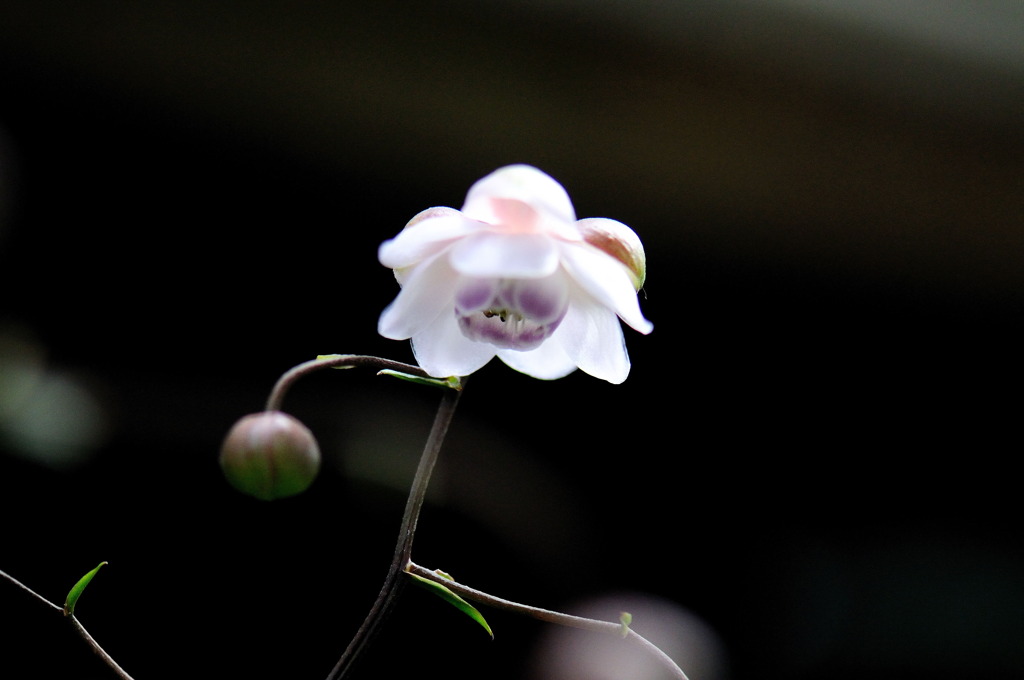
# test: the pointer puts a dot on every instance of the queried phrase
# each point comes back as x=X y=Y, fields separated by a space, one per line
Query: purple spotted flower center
x=511 y=313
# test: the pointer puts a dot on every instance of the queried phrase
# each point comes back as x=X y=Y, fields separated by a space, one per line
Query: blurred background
x=807 y=475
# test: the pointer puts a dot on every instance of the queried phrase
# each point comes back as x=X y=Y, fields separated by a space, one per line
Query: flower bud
x=270 y=455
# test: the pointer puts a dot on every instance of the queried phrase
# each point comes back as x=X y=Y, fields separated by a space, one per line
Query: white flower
x=515 y=275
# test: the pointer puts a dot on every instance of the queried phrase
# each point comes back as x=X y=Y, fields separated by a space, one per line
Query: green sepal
x=76 y=591
x=452 y=382
x=452 y=599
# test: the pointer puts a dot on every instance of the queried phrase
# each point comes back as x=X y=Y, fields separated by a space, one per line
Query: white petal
x=607 y=281
x=428 y=290
x=510 y=256
x=591 y=335
x=442 y=350
x=426 y=234
x=523 y=183
x=547 y=362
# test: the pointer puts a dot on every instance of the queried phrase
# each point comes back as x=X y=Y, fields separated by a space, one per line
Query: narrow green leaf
x=76 y=591
x=453 y=599
x=452 y=382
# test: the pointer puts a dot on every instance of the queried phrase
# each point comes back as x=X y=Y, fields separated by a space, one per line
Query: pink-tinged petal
x=428 y=290
x=520 y=183
x=426 y=234
x=442 y=350
x=547 y=362
x=606 y=280
x=487 y=254
x=591 y=335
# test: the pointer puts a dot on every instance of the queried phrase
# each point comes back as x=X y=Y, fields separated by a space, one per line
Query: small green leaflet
x=625 y=618
x=452 y=599
x=452 y=382
x=76 y=591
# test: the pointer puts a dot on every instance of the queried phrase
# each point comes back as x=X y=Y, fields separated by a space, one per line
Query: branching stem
x=549 y=616
x=401 y=563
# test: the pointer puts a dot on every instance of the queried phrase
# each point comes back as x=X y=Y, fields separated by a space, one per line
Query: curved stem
x=289 y=378
x=403 y=549
x=549 y=616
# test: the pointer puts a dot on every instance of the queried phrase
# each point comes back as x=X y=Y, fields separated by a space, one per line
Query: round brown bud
x=270 y=455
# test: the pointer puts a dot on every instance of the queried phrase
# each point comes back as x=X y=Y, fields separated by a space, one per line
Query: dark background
x=813 y=455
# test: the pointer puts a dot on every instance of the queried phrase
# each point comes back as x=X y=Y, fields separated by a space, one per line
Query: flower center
x=511 y=313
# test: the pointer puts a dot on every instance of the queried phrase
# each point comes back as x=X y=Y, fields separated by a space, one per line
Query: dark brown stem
x=393 y=582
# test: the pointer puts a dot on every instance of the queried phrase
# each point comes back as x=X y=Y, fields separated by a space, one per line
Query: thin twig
x=549 y=616
x=30 y=591
x=96 y=648
x=76 y=624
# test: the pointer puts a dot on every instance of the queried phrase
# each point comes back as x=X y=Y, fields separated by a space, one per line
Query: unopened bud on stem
x=270 y=455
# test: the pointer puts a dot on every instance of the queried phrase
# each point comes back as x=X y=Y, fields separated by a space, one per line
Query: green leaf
x=625 y=618
x=452 y=382
x=76 y=591
x=452 y=599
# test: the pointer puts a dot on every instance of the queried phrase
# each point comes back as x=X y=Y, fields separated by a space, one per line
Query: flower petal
x=473 y=294
x=428 y=290
x=547 y=362
x=425 y=235
x=607 y=281
x=591 y=335
x=487 y=254
x=522 y=183
x=442 y=350
x=619 y=241
x=542 y=301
